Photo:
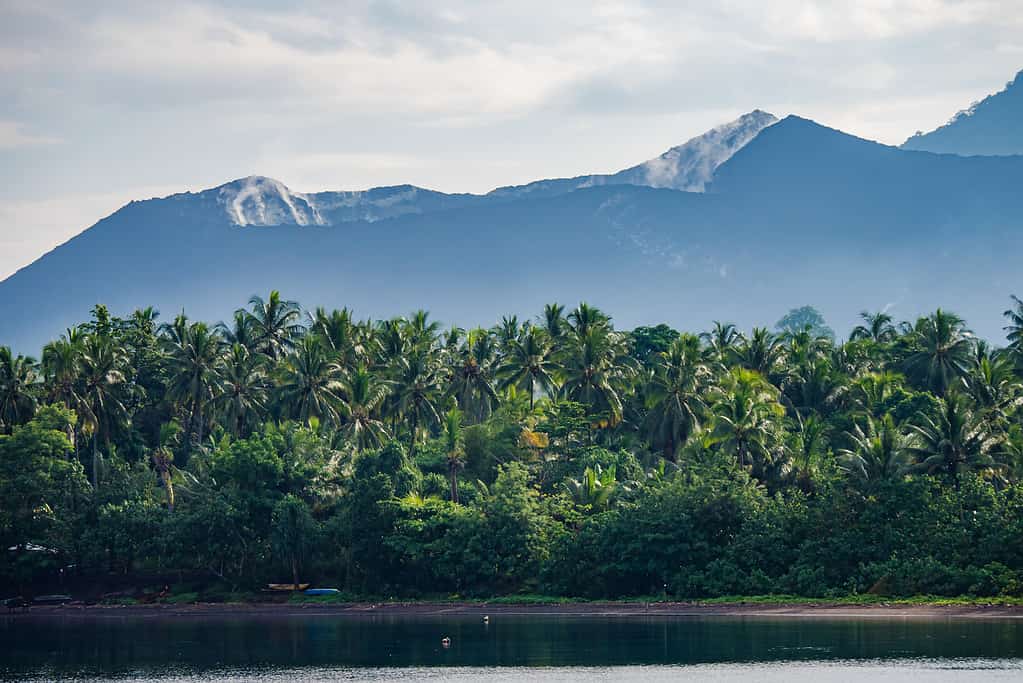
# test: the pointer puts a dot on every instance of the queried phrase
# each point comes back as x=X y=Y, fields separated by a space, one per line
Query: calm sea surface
x=509 y=648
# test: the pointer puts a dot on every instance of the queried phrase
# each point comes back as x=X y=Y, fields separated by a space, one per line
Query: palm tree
x=471 y=381
x=310 y=383
x=242 y=388
x=101 y=366
x=529 y=364
x=341 y=334
x=275 y=324
x=596 y=366
x=240 y=331
x=994 y=386
x=453 y=447
x=418 y=387
x=162 y=457
x=421 y=331
x=954 y=441
x=747 y=418
x=873 y=393
x=193 y=366
x=1014 y=330
x=553 y=321
x=18 y=377
x=812 y=387
x=361 y=397
x=809 y=446
x=721 y=340
x=673 y=395
x=595 y=489
x=584 y=317
x=61 y=370
x=762 y=352
x=876 y=327
x=877 y=452
x=943 y=352
x=507 y=331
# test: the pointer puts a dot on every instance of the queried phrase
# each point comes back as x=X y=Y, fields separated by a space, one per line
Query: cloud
x=13 y=136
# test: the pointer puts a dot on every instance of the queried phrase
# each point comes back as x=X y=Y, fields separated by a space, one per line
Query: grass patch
x=182 y=598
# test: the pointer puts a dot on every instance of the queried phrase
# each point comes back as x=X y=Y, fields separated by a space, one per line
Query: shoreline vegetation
x=183 y=462
x=853 y=607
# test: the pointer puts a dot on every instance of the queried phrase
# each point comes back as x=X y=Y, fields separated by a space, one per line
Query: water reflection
x=332 y=645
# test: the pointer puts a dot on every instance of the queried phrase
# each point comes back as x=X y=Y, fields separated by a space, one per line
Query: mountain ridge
x=799 y=204
x=992 y=126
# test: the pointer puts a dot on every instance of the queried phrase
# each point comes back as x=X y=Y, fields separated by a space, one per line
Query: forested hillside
x=554 y=455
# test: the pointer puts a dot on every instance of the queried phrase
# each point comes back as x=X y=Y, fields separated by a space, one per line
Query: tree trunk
x=95 y=461
x=453 y=473
x=294 y=573
x=168 y=485
x=412 y=439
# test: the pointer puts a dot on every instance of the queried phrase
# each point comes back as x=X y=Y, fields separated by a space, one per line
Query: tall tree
x=102 y=377
x=361 y=396
x=453 y=448
x=242 y=389
x=472 y=376
x=942 y=353
x=762 y=352
x=553 y=321
x=18 y=377
x=674 y=395
x=596 y=368
x=876 y=452
x=276 y=324
x=309 y=384
x=747 y=419
x=955 y=441
x=193 y=367
x=529 y=363
x=876 y=327
x=417 y=390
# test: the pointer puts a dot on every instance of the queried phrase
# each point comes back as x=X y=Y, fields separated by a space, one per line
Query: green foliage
x=558 y=456
x=805 y=319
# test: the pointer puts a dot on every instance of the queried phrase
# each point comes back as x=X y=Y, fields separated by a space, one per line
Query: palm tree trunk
x=95 y=460
x=412 y=438
x=453 y=474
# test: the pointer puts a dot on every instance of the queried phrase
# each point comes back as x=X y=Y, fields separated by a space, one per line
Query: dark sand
x=591 y=609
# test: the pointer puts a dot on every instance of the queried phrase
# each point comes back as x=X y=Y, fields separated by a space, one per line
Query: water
x=509 y=648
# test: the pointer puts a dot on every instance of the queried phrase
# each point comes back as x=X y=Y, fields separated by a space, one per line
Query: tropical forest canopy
x=556 y=455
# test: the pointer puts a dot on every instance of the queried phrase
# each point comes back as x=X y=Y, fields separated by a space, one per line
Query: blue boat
x=321 y=591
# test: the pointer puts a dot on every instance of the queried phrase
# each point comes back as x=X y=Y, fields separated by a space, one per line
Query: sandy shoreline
x=594 y=609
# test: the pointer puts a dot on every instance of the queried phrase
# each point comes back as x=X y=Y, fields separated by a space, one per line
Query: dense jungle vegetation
x=557 y=456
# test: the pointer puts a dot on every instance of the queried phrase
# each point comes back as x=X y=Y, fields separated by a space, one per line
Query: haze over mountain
x=799 y=213
x=992 y=126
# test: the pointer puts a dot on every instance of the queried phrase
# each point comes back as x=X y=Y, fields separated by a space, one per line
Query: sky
x=104 y=102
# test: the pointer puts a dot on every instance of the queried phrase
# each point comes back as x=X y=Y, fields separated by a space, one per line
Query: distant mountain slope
x=688 y=167
x=261 y=201
x=993 y=126
x=801 y=214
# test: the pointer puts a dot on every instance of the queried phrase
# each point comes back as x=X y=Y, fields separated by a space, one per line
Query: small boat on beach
x=321 y=591
x=51 y=600
x=287 y=586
